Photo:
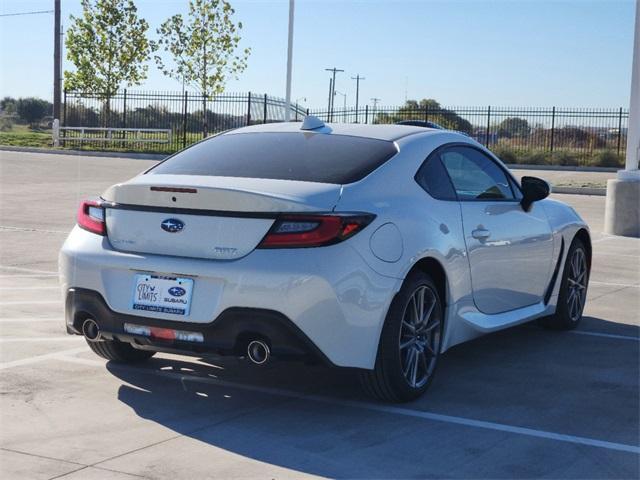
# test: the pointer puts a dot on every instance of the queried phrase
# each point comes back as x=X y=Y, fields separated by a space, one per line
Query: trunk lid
x=221 y=218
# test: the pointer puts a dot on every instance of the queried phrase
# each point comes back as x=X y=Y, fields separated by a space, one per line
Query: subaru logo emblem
x=177 y=291
x=172 y=225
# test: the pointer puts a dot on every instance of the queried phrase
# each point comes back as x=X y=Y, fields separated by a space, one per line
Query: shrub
x=607 y=158
x=6 y=123
x=506 y=154
x=536 y=158
x=563 y=157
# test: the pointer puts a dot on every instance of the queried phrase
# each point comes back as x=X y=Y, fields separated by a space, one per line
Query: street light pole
x=357 y=78
x=57 y=60
x=622 y=209
x=633 y=130
x=287 y=112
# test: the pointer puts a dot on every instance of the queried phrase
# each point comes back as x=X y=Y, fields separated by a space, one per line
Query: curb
x=580 y=190
x=85 y=153
x=566 y=168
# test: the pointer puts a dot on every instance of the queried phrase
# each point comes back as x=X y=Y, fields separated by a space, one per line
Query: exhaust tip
x=258 y=352
x=90 y=330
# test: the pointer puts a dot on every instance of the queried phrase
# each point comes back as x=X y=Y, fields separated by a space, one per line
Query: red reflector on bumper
x=163 y=333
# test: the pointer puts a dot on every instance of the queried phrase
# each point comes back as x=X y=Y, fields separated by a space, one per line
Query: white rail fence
x=107 y=134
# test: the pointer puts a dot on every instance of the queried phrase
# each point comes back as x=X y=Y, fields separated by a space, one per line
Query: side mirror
x=533 y=189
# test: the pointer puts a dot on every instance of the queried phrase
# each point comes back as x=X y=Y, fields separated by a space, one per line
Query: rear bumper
x=228 y=334
x=329 y=295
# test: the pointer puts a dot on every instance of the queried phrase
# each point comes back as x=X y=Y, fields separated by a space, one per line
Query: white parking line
x=29 y=288
x=40 y=358
x=28 y=229
x=27 y=270
x=29 y=275
x=30 y=319
x=30 y=302
x=67 y=338
x=606 y=335
x=468 y=422
x=613 y=284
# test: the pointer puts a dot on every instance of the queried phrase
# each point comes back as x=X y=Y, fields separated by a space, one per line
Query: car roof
x=389 y=132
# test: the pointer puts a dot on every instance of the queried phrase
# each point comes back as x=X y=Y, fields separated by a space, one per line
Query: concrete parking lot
x=522 y=403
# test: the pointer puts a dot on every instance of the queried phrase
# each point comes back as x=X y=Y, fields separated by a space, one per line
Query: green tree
x=426 y=108
x=203 y=48
x=8 y=105
x=108 y=47
x=31 y=109
x=514 y=127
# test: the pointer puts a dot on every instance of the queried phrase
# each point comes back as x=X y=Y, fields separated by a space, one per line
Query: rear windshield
x=308 y=157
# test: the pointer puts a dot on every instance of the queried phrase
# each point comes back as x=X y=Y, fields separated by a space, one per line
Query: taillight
x=91 y=217
x=300 y=230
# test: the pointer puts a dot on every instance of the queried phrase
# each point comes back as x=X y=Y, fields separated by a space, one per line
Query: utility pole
x=333 y=91
x=287 y=112
x=357 y=78
x=329 y=98
x=57 y=60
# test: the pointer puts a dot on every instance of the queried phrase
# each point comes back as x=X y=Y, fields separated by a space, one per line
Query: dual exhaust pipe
x=257 y=350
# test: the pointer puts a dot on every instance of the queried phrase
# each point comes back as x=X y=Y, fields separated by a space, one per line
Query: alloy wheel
x=419 y=341
x=577 y=284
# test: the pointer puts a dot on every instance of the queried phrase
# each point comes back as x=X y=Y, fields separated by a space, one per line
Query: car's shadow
x=560 y=382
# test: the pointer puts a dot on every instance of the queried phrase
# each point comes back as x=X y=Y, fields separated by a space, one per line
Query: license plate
x=158 y=293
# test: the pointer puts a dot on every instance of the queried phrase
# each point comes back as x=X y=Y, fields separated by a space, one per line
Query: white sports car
x=375 y=247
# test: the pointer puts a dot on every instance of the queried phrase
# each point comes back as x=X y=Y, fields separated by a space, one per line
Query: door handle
x=480 y=233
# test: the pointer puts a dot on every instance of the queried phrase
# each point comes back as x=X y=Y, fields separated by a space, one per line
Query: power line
x=25 y=13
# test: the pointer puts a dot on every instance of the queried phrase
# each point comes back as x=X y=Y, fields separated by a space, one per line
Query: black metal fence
x=189 y=116
x=563 y=136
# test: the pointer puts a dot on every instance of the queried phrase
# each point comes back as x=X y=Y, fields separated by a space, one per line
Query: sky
x=461 y=53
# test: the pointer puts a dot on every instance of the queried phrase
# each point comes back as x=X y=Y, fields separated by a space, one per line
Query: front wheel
x=410 y=342
x=573 y=290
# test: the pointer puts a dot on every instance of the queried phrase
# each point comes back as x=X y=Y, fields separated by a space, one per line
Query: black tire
x=119 y=352
x=568 y=314
x=388 y=381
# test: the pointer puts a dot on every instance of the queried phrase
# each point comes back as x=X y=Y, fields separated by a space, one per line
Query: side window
x=475 y=176
x=434 y=179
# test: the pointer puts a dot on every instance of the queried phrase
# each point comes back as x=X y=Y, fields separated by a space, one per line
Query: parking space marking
x=613 y=284
x=29 y=229
x=606 y=335
x=467 y=422
x=31 y=319
x=27 y=270
x=30 y=288
x=40 y=358
x=30 y=302
x=29 y=275
x=66 y=338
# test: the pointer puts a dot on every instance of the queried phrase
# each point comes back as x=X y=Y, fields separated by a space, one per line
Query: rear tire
x=573 y=290
x=409 y=344
x=120 y=352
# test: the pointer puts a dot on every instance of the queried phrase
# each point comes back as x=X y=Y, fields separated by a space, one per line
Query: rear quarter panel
x=427 y=227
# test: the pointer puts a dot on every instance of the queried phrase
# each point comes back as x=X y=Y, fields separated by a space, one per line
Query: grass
x=23 y=136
